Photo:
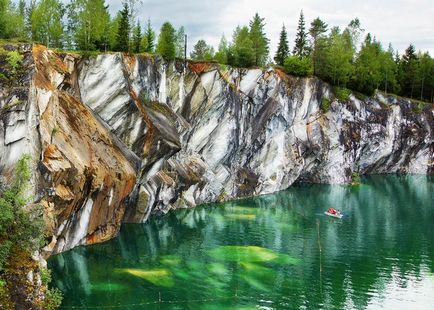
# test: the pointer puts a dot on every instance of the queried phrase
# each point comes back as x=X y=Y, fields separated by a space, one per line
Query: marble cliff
x=116 y=138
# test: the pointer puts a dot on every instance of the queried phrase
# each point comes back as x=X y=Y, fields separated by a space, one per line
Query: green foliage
x=148 y=40
x=89 y=22
x=202 y=51
x=325 y=105
x=123 y=34
x=3 y=78
x=355 y=178
x=53 y=299
x=222 y=54
x=14 y=59
x=46 y=22
x=137 y=38
x=166 y=42
x=283 y=48
x=19 y=228
x=301 y=47
x=342 y=94
x=367 y=71
x=316 y=31
x=241 y=53
x=259 y=40
x=297 y=66
x=12 y=24
x=336 y=54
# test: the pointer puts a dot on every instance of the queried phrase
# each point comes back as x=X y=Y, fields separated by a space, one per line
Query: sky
x=390 y=21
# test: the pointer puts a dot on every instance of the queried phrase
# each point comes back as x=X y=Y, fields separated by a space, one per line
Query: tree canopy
x=166 y=46
x=344 y=58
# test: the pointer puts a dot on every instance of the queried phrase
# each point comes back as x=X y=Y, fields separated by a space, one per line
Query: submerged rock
x=118 y=138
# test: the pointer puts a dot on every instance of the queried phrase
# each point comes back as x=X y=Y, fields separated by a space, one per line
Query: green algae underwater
x=270 y=252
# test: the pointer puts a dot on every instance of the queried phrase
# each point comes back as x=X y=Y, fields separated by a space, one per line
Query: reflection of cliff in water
x=386 y=240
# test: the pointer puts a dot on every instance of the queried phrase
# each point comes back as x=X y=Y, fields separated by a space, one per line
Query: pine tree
x=283 y=48
x=259 y=40
x=166 y=46
x=148 y=41
x=316 y=31
x=137 y=38
x=408 y=71
x=301 y=48
x=123 y=34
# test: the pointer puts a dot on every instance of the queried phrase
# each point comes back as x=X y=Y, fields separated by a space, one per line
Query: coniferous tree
x=388 y=71
x=367 y=73
x=408 y=70
x=424 y=70
x=301 y=48
x=166 y=46
x=259 y=40
x=148 y=41
x=317 y=30
x=137 y=38
x=283 y=48
x=123 y=34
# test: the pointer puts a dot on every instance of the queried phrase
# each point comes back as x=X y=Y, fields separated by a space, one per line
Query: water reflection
x=276 y=251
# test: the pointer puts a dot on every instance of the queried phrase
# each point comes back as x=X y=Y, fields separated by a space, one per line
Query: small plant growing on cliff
x=14 y=59
x=298 y=66
x=21 y=234
x=355 y=178
x=342 y=94
x=325 y=105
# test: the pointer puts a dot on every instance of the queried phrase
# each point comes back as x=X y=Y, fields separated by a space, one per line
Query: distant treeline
x=342 y=57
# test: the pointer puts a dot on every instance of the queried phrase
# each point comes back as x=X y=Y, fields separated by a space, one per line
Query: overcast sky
x=396 y=21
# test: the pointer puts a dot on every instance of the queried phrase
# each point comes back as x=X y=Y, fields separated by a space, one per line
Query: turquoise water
x=272 y=252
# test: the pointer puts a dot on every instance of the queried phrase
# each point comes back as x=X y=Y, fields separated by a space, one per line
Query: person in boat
x=333 y=211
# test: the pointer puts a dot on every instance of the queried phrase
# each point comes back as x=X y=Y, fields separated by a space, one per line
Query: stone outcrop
x=118 y=138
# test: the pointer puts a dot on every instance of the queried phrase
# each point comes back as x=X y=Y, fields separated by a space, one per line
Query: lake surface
x=272 y=252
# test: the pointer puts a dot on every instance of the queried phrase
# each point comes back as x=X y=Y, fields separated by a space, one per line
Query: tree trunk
x=412 y=89
x=421 y=89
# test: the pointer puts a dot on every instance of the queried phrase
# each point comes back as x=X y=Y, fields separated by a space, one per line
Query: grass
x=342 y=94
x=325 y=105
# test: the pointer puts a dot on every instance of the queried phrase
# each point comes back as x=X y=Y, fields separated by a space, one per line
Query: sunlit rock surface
x=119 y=138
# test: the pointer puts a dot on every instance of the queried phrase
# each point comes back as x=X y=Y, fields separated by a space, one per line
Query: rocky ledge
x=118 y=138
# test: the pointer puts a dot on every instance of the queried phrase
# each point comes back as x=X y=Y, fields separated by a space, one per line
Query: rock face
x=118 y=138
